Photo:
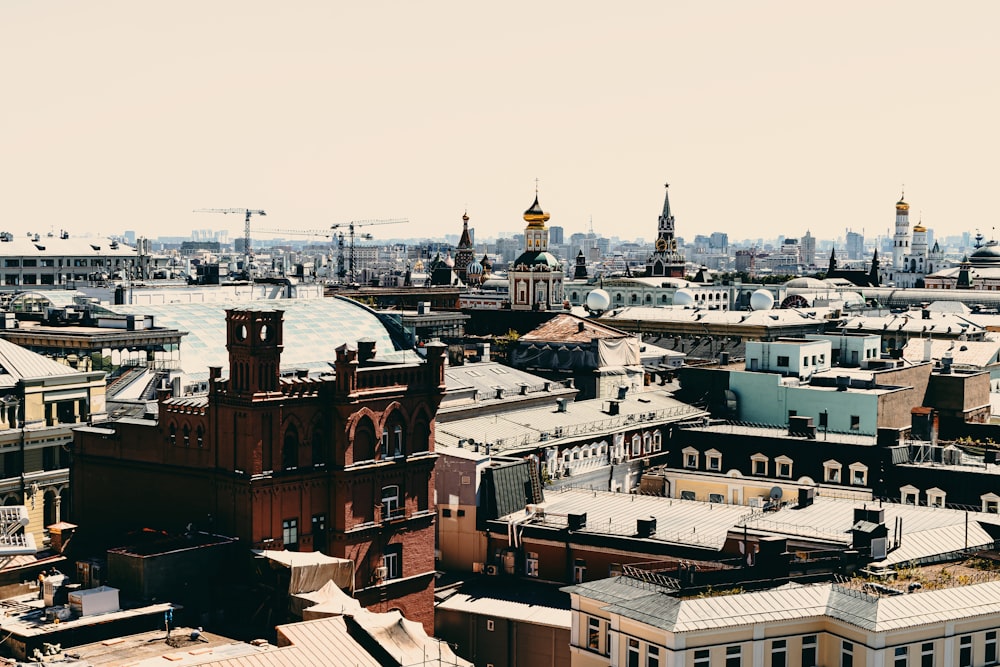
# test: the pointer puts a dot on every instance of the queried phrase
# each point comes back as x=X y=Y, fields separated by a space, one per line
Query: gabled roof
x=567 y=328
x=18 y=363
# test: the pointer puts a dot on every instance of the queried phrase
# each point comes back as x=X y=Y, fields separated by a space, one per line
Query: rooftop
x=524 y=428
x=648 y=604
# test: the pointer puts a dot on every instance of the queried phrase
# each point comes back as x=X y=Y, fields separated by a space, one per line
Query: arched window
x=393 y=444
x=50 y=507
x=187 y=435
x=364 y=440
x=173 y=434
x=421 y=436
x=200 y=434
x=290 y=449
x=318 y=446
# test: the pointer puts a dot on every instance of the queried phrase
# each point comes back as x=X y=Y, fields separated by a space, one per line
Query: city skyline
x=777 y=117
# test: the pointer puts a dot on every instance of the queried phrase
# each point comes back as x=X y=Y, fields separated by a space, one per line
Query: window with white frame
x=392 y=561
x=783 y=466
x=759 y=463
x=809 y=651
x=531 y=564
x=965 y=651
x=716 y=498
x=927 y=654
x=636 y=445
x=390 y=502
x=831 y=471
x=713 y=458
x=779 y=655
x=691 y=457
x=901 y=657
x=991 y=503
x=593 y=633
x=657 y=441
x=935 y=497
x=909 y=495
x=632 y=654
x=689 y=495
x=990 y=646
x=290 y=533
x=846 y=654
x=579 y=570
x=647 y=443
x=652 y=656
x=702 y=658
x=734 y=656
x=859 y=474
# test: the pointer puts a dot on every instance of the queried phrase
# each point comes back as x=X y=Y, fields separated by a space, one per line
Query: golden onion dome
x=535 y=216
x=919 y=228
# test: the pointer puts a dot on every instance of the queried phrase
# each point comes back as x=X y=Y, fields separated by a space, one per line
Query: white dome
x=761 y=300
x=852 y=297
x=683 y=297
x=598 y=300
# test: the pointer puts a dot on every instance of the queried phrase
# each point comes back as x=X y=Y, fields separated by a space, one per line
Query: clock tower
x=665 y=260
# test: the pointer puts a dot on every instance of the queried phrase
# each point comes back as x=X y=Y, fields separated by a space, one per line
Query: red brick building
x=341 y=464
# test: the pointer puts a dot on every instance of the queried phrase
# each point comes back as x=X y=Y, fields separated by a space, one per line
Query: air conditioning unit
x=756 y=502
x=381 y=573
x=492 y=570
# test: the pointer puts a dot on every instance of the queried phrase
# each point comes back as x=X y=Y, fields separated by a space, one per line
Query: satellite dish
x=776 y=493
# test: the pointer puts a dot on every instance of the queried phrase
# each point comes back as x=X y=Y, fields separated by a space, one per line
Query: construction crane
x=247 y=248
x=351 y=235
x=340 y=237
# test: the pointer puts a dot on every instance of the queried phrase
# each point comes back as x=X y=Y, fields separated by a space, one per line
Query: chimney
x=366 y=350
x=928 y=344
x=560 y=405
x=580 y=326
x=59 y=535
x=645 y=527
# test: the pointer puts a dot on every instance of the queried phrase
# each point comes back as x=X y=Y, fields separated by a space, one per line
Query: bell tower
x=254 y=342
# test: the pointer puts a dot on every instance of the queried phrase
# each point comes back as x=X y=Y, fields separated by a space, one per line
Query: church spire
x=666 y=202
x=466 y=240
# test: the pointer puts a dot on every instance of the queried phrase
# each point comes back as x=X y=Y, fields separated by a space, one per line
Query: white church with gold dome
x=536 y=276
x=912 y=261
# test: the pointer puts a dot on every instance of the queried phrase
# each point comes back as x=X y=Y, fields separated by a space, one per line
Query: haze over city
x=766 y=118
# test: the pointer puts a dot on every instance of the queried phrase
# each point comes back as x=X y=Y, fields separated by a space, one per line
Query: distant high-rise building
x=556 y=235
x=130 y=237
x=719 y=241
x=856 y=245
x=807 y=247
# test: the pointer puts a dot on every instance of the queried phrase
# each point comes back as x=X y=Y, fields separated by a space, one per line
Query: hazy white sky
x=766 y=117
